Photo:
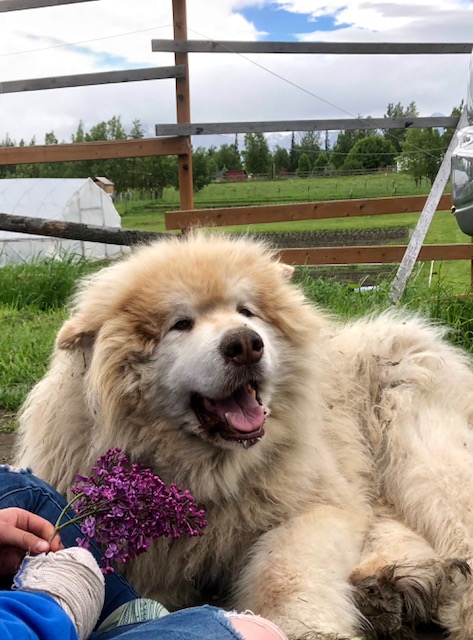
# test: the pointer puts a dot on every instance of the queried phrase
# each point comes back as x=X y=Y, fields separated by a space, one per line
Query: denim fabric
x=198 y=623
x=23 y=489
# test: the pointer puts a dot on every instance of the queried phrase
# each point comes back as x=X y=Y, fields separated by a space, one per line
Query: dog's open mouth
x=239 y=417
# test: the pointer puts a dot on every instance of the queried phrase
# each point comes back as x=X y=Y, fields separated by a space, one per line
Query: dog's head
x=198 y=333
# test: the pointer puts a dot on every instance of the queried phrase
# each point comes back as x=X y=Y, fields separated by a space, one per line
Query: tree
x=397 y=136
x=137 y=130
x=50 y=138
x=257 y=155
x=293 y=154
x=310 y=145
x=228 y=157
x=372 y=152
x=342 y=147
x=201 y=168
x=422 y=153
x=303 y=165
x=322 y=163
x=281 y=160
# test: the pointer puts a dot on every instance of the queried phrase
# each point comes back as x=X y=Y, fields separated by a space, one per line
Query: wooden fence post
x=183 y=107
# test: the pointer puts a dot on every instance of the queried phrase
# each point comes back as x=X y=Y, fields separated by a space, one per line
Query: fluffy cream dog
x=334 y=461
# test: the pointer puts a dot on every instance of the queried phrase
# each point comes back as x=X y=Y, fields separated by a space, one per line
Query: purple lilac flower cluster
x=123 y=506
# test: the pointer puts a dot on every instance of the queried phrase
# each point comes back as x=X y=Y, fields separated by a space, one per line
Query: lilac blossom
x=124 y=506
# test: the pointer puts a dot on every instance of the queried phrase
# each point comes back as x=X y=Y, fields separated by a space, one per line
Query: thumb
x=25 y=540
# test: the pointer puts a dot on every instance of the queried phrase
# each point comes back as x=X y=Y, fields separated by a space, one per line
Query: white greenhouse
x=63 y=199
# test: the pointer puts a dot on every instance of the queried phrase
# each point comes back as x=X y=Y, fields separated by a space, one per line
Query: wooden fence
x=176 y=139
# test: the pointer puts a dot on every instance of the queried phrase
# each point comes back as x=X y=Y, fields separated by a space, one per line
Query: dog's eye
x=245 y=312
x=183 y=325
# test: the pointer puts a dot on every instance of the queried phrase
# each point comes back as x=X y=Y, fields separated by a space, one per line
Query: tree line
x=418 y=152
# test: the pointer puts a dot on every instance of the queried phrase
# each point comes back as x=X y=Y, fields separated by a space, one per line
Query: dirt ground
x=6 y=446
x=7 y=437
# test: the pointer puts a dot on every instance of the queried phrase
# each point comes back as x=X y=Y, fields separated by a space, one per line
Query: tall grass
x=42 y=284
x=33 y=301
x=26 y=340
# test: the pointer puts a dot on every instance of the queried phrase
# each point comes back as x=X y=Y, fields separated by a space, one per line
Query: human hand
x=21 y=532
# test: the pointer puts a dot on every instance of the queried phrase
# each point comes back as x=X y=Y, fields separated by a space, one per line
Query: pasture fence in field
x=176 y=140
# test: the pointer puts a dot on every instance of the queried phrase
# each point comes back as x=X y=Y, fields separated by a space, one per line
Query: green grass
x=33 y=300
x=26 y=342
x=43 y=284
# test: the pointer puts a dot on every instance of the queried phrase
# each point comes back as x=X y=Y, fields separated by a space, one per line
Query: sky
x=108 y=35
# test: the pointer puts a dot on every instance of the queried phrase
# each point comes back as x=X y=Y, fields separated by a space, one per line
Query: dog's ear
x=287 y=270
x=76 y=332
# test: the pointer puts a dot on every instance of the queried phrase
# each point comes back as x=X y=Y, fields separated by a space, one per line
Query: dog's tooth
x=251 y=390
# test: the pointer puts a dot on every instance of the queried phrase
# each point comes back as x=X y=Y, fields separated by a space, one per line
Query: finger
x=35 y=524
x=26 y=531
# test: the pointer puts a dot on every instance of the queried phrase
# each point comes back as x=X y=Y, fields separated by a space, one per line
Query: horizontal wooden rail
x=17 y=5
x=94 y=150
x=315 y=256
x=350 y=48
x=298 y=211
x=211 y=128
x=89 y=79
x=374 y=254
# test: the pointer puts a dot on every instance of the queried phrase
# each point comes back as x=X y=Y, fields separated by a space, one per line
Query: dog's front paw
x=400 y=596
x=381 y=605
x=455 y=610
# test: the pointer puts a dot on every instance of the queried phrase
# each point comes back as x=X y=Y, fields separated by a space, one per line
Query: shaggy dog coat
x=334 y=460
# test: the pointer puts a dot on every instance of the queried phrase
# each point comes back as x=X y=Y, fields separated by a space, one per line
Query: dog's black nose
x=242 y=346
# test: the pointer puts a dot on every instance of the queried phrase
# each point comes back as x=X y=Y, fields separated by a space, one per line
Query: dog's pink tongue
x=241 y=410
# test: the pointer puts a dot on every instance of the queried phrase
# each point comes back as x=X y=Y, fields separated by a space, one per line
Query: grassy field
x=376 y=185
x=149 y=214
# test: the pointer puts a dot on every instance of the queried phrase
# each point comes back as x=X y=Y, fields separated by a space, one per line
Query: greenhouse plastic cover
x=63 y=199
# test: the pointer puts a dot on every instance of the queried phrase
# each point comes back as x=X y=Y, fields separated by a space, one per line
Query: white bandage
x=73 y=578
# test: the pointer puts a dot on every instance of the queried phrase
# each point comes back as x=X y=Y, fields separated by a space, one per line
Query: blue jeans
x=197 y=623
x=23 y=489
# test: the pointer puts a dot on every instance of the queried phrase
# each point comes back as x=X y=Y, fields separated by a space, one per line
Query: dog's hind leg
x=297 y=575
x=425 y=461
x=401 y=581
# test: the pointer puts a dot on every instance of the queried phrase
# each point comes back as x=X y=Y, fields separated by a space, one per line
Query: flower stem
x=58 y=526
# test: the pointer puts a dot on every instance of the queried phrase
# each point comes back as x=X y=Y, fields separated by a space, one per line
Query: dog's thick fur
x=350 y=510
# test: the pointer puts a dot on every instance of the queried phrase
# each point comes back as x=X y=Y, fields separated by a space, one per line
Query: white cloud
x=115 y=34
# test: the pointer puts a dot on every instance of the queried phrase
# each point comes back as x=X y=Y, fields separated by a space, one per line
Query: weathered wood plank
x=346 y=48
x=88 y=79
x=94 y=150
x=211 y=128
x=426 y=217
x=76 y=230
x=18 y=5
x=374 y=254
x=298 y=211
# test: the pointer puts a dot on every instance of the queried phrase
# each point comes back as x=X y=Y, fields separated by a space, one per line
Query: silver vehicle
x=462 y=168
